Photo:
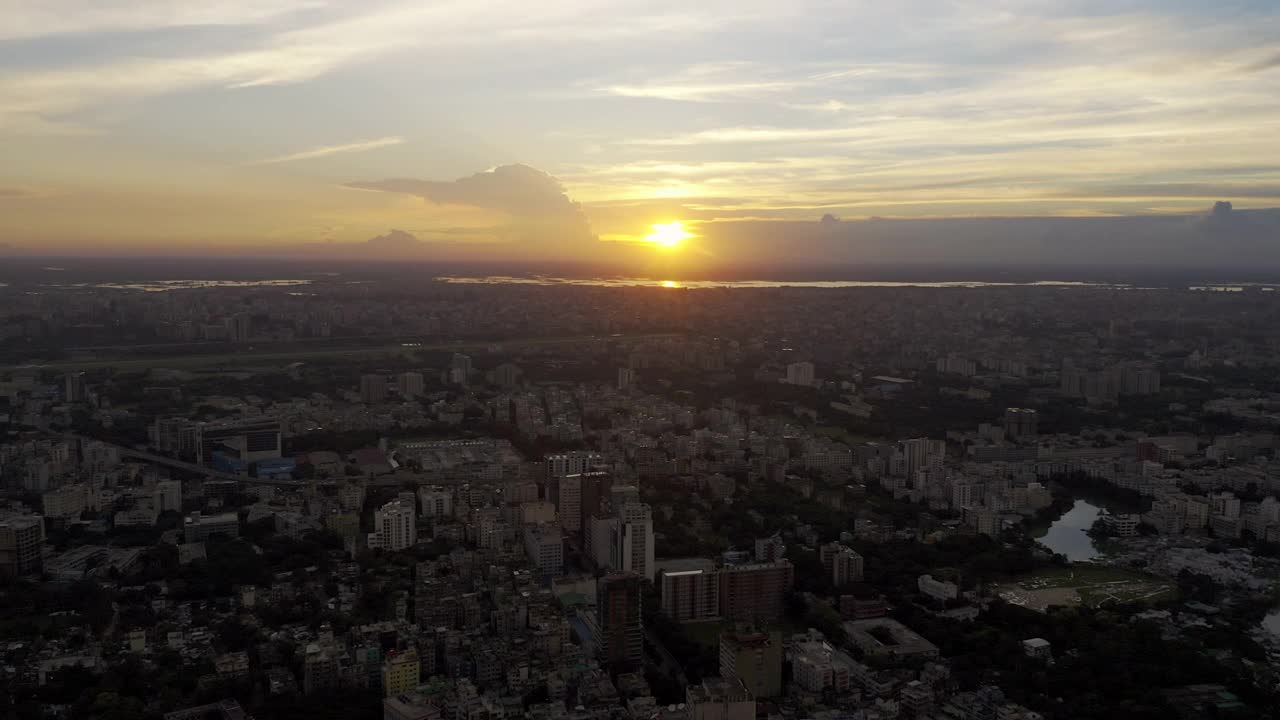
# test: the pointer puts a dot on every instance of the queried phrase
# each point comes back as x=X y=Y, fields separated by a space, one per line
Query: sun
x=668 y=235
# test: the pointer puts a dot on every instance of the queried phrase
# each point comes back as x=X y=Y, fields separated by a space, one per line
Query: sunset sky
x=567 y=126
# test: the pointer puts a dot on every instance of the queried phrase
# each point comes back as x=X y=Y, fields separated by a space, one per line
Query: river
x=1068 y=534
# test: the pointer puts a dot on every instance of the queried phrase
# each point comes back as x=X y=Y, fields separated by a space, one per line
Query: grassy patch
x=1086 y=584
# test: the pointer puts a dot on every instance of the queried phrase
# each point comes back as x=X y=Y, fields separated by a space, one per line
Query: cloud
x=395 y=241
x=26 y=20
x=529 y=205
x=9 y=193
x=327 y=150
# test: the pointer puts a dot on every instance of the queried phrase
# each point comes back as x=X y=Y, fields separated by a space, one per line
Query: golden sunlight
x=668 y=235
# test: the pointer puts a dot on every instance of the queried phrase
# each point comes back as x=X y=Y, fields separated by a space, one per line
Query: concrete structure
x=400 y=672
x=197 y=527
x=754 y=659
x=689 y=590
x=21 y=537
x=410 y=384
x=817 y=665
x=720 y=699
x=755 y=592
x=244 y=440
x=75 y=388
x=635 y=540
x=167 y=496
x=888 y=638
x=1121 y=524
x=572 y=463
x=626 y=378
x=437 y=502
x=544 y=546
x=396 y=526
x=800 y=373
x=1038 y=648
x=373 y=389
x=621 y=630
x=566 y=492
x=1021 y=423
x=937 y=589
x=537 y=513
x=67 y=502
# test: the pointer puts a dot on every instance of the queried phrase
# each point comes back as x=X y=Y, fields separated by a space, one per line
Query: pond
x=1271 y=623
x=1068 y=534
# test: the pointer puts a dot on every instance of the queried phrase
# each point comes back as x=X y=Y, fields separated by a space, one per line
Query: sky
x=567 y=128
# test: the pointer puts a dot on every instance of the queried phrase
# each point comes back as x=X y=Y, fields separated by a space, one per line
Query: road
x=243 y=356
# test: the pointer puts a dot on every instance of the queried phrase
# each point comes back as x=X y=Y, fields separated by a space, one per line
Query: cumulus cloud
x=395 y=241
x=529 y=205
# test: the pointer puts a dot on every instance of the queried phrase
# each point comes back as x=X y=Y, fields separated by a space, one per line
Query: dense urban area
x=421 y=500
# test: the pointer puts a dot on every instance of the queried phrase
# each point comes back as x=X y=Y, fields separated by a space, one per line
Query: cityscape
x=418 y=500
x=639 y=360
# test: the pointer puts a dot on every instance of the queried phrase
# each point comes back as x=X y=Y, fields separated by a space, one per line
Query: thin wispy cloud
x=327 y=150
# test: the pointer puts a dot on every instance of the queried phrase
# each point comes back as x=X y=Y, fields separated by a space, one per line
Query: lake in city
x=1068 y=534
x=1271 y=623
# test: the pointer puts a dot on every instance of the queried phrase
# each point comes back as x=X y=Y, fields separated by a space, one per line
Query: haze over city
x=1011 y=132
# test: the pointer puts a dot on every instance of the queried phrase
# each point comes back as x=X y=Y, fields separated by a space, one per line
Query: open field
x=249 y=356
x=1085 y=584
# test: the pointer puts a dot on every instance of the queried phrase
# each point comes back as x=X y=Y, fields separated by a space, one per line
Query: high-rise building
x=566 y=493
x=572 y=463
x=506 y=375
x=626 y=378
x=167 y=496
x=770 y=548
x=601 y=534
x=689 y=590
x=373 y=389
x=459 y=371
x=395 y=526
x=846 y=567
x=595 y=498
x=800 y=373
x=841 y=563
x=75 y=389
x=544 y=546
x=239 y=327
x=410 y=384
x=635 y=540
x=1020 y=423
x=175 y=436
x=461 y=362
x=66 y=502
x=400 y=672
x=621 y=629
x=437 y=502
x=755 y=592
x=755 y=659
x=21 y=538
